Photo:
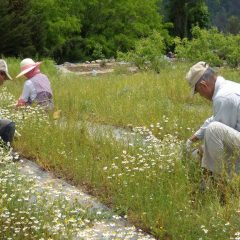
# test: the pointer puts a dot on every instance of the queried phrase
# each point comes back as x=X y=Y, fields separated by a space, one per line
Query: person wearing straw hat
x=7 y=127
x=37 y=87
x=220 y=132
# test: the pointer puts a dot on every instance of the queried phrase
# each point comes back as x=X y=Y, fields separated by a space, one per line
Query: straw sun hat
x=195 y=73
x=26 y=66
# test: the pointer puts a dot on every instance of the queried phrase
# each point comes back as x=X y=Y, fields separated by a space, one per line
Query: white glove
x=196 y=153
x=188 y=145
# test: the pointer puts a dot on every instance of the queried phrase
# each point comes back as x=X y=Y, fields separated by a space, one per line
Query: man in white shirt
x=220 y=132
x=7 y=127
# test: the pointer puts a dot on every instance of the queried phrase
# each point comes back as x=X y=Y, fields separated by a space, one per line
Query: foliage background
x=76 y=30
x=82 y=30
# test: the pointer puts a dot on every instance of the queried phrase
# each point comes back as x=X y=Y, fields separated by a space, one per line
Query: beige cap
x=195 y=73
x=4 y=68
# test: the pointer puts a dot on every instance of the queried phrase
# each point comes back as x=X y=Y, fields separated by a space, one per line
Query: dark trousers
x=7 y=130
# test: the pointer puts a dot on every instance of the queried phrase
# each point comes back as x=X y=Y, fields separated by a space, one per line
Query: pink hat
x=26 y=66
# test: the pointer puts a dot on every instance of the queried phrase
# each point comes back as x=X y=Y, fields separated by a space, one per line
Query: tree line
x=79 y=30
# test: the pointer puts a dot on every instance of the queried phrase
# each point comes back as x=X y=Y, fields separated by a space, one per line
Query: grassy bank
x=155 y=184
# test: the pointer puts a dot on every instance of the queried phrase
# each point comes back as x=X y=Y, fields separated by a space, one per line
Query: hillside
x=225 y=14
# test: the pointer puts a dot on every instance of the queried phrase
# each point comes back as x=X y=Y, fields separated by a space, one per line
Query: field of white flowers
x=28 y=211
x=151 y=181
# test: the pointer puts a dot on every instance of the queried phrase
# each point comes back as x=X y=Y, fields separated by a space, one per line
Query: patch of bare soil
x=94 y=68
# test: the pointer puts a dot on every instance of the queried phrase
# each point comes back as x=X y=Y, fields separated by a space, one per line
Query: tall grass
x=155 y=184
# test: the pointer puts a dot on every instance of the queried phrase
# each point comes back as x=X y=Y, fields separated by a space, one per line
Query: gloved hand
x=188 y=145
x=196 y=153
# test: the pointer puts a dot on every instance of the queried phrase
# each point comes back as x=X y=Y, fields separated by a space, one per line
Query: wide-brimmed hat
x=4 y=68
x=195 y=73
x=26 y=66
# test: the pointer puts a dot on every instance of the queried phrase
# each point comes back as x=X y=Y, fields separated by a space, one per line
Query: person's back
x=227 y=97
x=43 y=90
x=41 y=83
x=226 y=87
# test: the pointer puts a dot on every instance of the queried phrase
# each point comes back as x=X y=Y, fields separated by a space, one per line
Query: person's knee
x=8 y=132
x=213 y=129
x=11 y=129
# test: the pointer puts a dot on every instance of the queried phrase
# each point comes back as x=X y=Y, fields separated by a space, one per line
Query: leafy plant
x=147 y=52
x=211 y=46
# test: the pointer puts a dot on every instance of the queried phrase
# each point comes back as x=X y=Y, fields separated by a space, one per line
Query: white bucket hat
x=195 y=73
x=26 y=66
x=4 y=68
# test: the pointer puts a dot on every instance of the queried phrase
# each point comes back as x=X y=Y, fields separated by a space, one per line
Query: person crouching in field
x=220 y=132
x=37 y=88
x=7 y=127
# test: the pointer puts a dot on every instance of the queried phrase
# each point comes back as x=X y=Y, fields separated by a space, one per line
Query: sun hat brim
x=8 y=76
x=28 y=69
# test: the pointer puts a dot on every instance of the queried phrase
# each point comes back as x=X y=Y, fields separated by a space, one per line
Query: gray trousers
x=44 y=99
x=221 y=153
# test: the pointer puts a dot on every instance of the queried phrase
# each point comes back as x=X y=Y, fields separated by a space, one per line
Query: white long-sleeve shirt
x=29 y=91
x=226 y=106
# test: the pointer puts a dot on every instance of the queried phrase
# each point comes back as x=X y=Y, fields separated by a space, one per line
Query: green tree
x=116 y=25
x=30 y=28
x=76 y=30
x=185 y=14
x=15 y=28
x=221 y=12
x=57 y=25
x=233 y=25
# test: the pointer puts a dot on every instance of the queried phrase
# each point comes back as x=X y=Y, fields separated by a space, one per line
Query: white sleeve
x=224 y=111
x=200 y=132
x=28 y=88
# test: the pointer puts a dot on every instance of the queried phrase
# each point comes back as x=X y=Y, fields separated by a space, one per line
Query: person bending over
x=37 y=87
x=220 y=132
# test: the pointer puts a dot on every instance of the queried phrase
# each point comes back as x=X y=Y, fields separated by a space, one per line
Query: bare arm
x=194 y=138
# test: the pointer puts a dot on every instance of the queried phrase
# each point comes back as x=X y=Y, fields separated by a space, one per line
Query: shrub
x=147 y=52
x=211 y=46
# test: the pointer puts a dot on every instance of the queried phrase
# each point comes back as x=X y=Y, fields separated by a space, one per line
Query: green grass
x=139 y=99
x=157 y=189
